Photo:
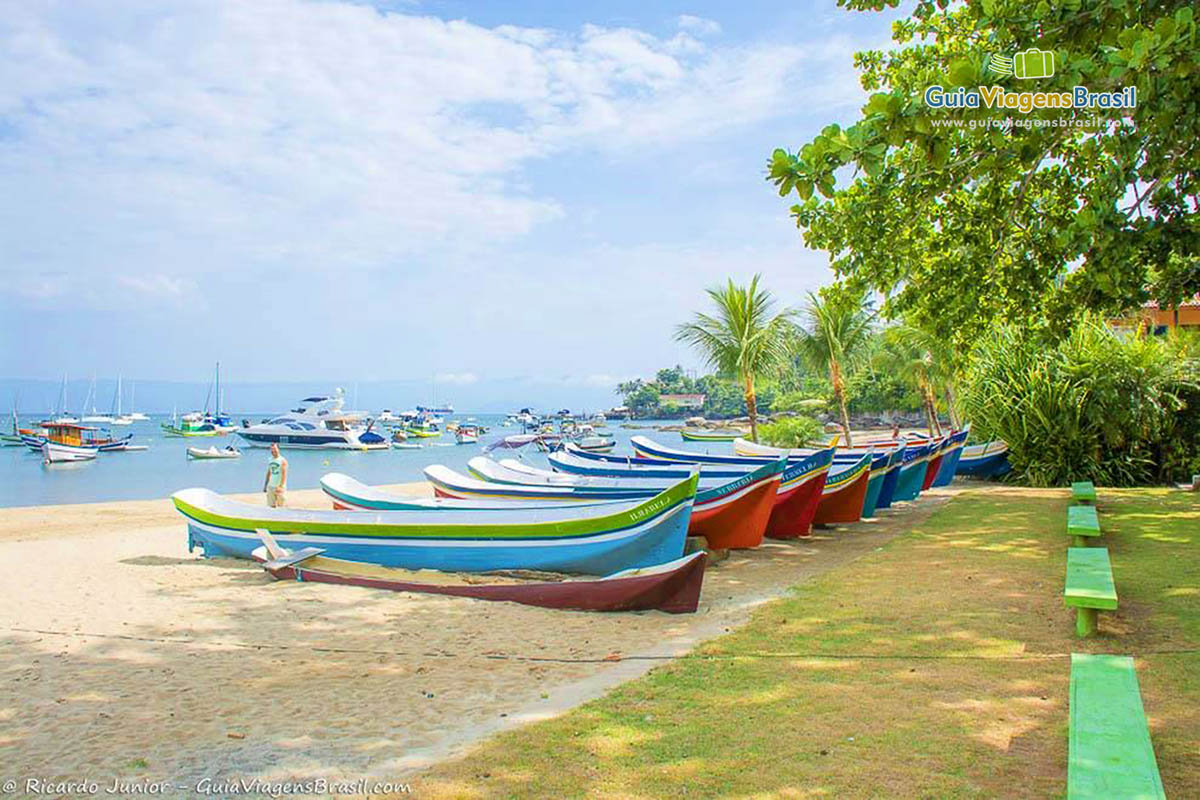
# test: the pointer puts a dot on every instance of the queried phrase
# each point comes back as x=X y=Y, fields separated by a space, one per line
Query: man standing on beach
x=275 y=484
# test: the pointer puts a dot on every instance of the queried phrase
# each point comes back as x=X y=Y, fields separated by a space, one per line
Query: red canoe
x=843 y=495
x=935 y=464
x=739 y=520
x=673 y=587
x=795 y=507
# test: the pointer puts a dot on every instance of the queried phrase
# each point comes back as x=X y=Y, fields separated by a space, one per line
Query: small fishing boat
x=56 y=453
x=189 y=425
x=988 y=460
x=702 y=435
x=428 y=431
x=592 y=540
x=728 y=513
x=467 y=434
x=673 y=587
x=14 y=439
x=72 y=435
x=347 y=494
x=795 y=501
x=596 y=444
x=950 y=457
x=229 y=451
x=912 y=472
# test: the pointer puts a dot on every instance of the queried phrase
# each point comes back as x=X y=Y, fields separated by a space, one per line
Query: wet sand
x=124 y=656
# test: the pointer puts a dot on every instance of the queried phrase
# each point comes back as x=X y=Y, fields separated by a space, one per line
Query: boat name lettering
x=645 y=511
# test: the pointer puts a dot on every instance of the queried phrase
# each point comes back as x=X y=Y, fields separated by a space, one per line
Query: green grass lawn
x=936 y=666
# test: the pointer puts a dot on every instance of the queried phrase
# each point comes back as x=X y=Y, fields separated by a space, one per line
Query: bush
x=1116 y=410
x=791 y=432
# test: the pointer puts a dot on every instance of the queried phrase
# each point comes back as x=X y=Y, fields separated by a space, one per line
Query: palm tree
x=927 y=363
x=834 y=338
x=743 y=340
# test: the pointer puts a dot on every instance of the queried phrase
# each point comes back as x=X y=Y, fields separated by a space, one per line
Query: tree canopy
x=963 y=217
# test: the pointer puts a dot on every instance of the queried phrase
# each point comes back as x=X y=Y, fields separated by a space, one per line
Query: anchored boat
x=317 y=423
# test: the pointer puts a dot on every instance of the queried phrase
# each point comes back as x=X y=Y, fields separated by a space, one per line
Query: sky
x=464 y=195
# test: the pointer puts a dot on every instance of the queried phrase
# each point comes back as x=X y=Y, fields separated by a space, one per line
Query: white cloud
x=457 y=378
x=699 y=25
x=210 y=136
x=157 y=285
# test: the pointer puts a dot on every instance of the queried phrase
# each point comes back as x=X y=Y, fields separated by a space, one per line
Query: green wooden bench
x=1109 y=752
x=1083 y=492
x=1082 y=524
x=1090 y=587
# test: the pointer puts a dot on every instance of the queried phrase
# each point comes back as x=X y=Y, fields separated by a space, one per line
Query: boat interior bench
x=1109 y=750
x=1082 y=524
x=1090 y=588
x=1083 y=492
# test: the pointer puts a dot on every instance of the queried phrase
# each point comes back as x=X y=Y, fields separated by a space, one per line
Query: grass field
x=936 y=666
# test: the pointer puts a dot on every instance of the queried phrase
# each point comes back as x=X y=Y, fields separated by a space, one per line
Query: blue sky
x=335 y=192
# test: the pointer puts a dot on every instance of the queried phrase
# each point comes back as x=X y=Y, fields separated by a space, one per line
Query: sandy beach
x=124 y=656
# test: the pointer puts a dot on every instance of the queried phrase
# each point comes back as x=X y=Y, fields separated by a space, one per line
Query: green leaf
x=962 y=72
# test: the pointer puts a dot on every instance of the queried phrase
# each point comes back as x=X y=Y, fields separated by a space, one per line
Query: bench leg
x=1078 y=541
x=1085 y=621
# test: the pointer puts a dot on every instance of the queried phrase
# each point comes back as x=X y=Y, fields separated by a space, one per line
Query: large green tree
x=962 y=217
x=744 y=339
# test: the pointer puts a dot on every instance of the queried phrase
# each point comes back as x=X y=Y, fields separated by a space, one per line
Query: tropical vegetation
x=1118 y=410
x=743 y=340
x=835 y=339
x=962 y=218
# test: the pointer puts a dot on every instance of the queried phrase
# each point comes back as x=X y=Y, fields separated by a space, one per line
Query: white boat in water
x=55 y=453
x=136 y=416
x=317 y=423
x=229 y=451
x=94 y=416
x=119 y=418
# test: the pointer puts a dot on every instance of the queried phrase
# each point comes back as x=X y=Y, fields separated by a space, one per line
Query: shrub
x=1116 y=410
x=791 y=432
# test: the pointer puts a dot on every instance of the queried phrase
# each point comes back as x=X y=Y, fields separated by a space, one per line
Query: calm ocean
x=165 y=468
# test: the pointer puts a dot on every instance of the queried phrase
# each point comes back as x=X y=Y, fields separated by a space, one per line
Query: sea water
x=165 y=467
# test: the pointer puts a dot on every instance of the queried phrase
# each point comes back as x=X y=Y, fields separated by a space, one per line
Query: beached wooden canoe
x=673 y=587
x=739 y=523
x=795 y=501
x=728 y=514
x=950 y=457
x=912 y=471
x=844 y=492
x=348 y=494
x=838 y=495
x=987 y=460
x=591 y=540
